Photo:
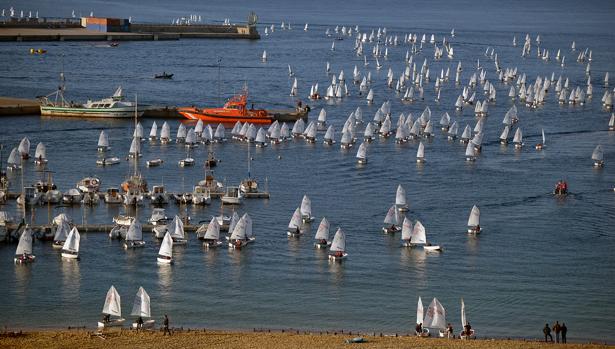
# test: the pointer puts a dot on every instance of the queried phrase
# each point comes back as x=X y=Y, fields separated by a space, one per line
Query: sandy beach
x=220 y=339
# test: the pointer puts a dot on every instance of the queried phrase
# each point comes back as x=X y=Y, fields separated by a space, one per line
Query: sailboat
x=420 y=154
x=40 y=155
x=598 y=156
x=540 y=146
x=165 y=254
x=406 y=232
x=464 y=323
x=306 y=209
x=112 y=307
x=249 y=185
x=435 y=317
x=420 y=309
x=362 y=154
x=141 y=308
x=71 y=245
x=187 y=161
x=322 y=234
x=211 y=238
x=392 y=221
x=337 y=252
x=400 y=199
x=474 y=221
x=294 y=226
x=153 y=132
x=518 y=139
x=470 y=152
x=176 y=229
x=23 y=254
x=135 y=186
x=242 y=233
x=103 y=142
x=419 y=237
x=134 y=236
x=61 y=232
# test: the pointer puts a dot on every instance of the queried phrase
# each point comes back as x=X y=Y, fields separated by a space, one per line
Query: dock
x=216 y=195
x=18 y=106
x=100 y=228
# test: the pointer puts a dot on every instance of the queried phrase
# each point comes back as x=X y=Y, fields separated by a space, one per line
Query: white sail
x=295 y=221
x=248 y=220
x=306 y=206
x=141 y=305
x=112 y=303
x=119 y=93
x=323 y=230
x=239 y=232
x=518 y=136
x=213 y=230
x=181 y=131
x=542 y=131
x=190 y=136
x=25 y=242
x=470 y=150
x=330 y=134
x=400 y=196
x=135 y=147
x=474 y=219
x=41 y=151
x=62 y=230
x=362 y=151
x=391 y=217
x=103 y=139
x=322 y=116
x=198 y=129
x=420 y=153
x=418 y=234
x=298 y=127
x=467 y=132
x=406 y=229
x=138 y=133
x=435 y=316
x=24 y=146
x=166 y=247
x=420 y=309
x=135 y=231
x=153 y=132
x=505 y=132
x=219 y=134
x=369 y=131
x=233 y=223
x=339 y=241
x=598 y=154
x=463 y=313
x=72 y=241
x=165 y=132
x=177 y=228
x=261 y=136
x=14 y=158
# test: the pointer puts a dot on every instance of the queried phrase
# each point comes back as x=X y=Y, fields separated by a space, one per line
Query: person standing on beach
x=547 y=331
x=557 y=328
x=449 y=331
x=564 y=330
x=166 y=326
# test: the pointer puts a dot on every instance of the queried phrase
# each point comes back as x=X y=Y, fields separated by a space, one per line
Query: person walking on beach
x=139 y=323
x=557 y=328
x=564 y=330
x=547 y=331
x=166 y=326
x=449 y=331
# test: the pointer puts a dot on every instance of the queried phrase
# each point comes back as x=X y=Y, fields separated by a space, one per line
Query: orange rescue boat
x=235 y=109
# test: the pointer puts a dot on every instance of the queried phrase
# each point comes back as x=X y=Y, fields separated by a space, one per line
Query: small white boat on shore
x=421 y=331
x=467 y=332
x=435 y=317
x=112 y=307
x=70 y=249
x=141 y=309
x=337 y=252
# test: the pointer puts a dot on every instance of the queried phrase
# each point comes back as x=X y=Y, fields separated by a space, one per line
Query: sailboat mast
x=249 y=160
x=136 y=162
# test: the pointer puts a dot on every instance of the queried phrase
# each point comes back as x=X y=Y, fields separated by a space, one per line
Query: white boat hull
x=322 y=246
x=435 y=248
x=124 y=112
x=148 y=324
x=335 y=258
x=112 y=323
x=164 y=260
x=212 y=244
x=472 y=335
x=70 y=255
x=134 y=244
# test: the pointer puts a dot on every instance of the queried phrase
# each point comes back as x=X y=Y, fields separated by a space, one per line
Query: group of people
x=165 y=325
x=561 y=187
x=558 y=329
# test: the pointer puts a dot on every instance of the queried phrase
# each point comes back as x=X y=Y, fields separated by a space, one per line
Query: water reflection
x=23 y=275
x=165 y=278
x=336 y=273
x=210 y=255
x=71 y=278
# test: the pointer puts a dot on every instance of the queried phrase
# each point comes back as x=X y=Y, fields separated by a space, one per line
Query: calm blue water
x=539 y=259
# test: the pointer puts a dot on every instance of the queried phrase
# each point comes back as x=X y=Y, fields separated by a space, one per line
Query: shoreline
x=199 y=338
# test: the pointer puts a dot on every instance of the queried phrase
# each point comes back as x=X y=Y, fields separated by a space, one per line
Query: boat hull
x=112 y=323
x=194 y=114
x=125 y=112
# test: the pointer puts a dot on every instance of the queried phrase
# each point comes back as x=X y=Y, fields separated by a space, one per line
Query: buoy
x=32 y=51
x=279 y=157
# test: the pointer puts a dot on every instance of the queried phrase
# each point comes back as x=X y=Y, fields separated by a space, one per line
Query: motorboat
x=232 y=196
x=113 y=196
x=89 y=185
x=154 y=162
x=158 y=217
